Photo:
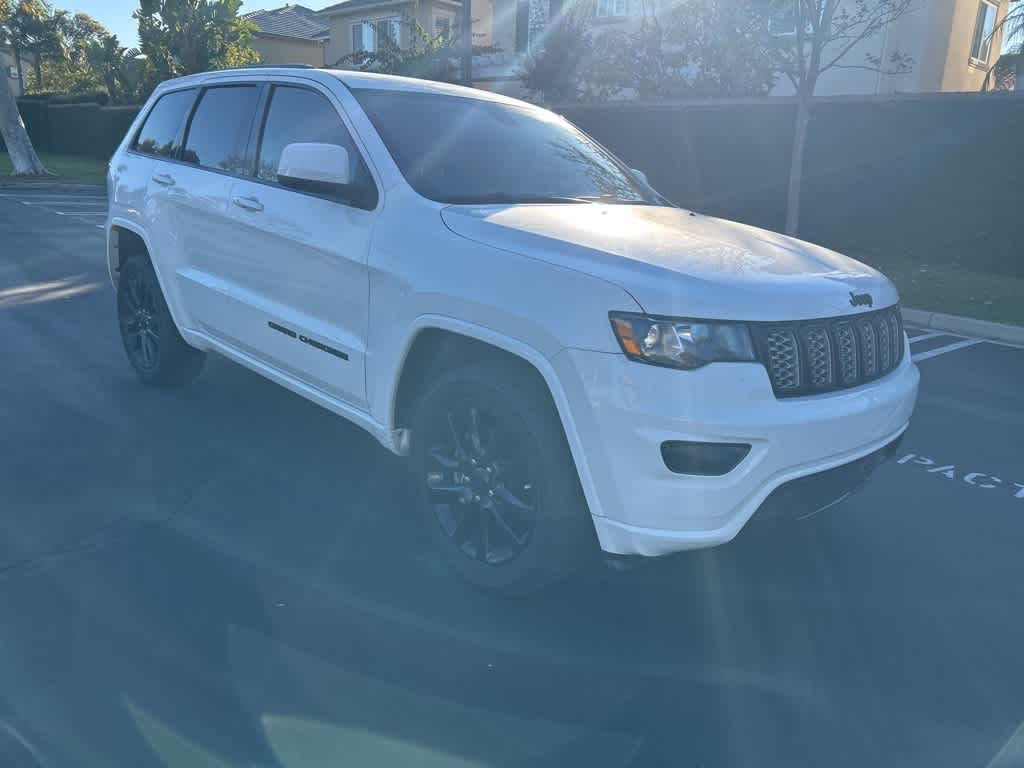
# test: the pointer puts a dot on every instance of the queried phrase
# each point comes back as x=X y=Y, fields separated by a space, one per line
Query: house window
x=607 y=9
x=443 y=27
x=984 y=26
x=369 y=35
x=782 y=17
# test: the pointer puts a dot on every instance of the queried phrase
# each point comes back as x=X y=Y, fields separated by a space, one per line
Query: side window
x=159 y=131
x=301 y=115
x=220 y=126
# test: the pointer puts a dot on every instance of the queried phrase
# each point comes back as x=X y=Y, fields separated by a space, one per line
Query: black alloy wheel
x=155 y=349
x=139 y=327
x=498 y=486
x=481 y=485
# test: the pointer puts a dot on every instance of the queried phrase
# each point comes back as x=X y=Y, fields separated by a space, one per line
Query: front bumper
x=623 y=411
x=806 y=496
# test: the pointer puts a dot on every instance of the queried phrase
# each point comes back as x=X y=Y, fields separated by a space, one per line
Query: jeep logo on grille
x=861 y=299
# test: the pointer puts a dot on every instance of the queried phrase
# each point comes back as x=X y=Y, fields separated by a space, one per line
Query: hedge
x=926 y=176
x=75 y=129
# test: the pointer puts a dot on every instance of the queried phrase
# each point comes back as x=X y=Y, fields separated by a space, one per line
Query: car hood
x=675 y=262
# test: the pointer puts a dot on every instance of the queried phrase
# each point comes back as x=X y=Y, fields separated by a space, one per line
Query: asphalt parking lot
x=226 y=576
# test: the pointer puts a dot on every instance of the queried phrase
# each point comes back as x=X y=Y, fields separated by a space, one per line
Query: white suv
x=566 y=356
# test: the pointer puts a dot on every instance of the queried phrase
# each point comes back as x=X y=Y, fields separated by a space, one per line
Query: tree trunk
x=17 y=65
x=39 y=74
x=796 y=165
x=12 y=128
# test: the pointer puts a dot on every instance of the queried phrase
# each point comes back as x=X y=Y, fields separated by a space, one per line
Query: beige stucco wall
x=281 y=50
x=958 y=72
x=483 y=21
x=340 y=43
x=423 y=11
x=911 y=34
x=936 y=34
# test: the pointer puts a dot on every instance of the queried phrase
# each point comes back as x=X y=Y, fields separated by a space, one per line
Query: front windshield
x=455 y=149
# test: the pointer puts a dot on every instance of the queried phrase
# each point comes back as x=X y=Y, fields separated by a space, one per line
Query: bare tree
x=825 y=33
x=19 y=147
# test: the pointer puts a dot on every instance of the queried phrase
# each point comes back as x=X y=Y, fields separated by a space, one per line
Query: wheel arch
x=436 y=341
x=124 y=239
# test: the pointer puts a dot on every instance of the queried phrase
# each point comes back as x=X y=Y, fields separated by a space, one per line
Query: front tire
x=155 y=349
x=496 y=481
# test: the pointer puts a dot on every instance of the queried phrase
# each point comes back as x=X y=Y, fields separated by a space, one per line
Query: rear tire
x=155 y=349
x=496 y=481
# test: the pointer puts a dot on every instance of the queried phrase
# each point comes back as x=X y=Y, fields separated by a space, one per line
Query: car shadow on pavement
x=278 y=604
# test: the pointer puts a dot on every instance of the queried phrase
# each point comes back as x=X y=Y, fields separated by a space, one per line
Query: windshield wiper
x=524 y=199
x=659 y=200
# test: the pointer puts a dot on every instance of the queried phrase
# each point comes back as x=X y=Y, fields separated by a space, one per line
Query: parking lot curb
x=964 y=326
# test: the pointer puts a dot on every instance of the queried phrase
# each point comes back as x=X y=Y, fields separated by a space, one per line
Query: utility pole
x=466 y=40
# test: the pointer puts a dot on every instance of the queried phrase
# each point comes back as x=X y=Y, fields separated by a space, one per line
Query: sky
x=116 y=15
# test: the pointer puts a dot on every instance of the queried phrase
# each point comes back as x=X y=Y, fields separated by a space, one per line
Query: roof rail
x=267 y=66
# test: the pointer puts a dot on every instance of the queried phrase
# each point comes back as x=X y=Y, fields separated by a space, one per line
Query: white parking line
x=68 y=203
x=1012 y=751
x=943 y=350
x=930 y=335
x=81 y=213
x=60 y=200
x=44 y=198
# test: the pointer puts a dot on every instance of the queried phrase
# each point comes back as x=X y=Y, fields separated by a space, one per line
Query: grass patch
x=70 y=169
x=954 y=290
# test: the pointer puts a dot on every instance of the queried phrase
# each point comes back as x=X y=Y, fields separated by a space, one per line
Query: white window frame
x=779 y=12
x=611 y=9
x=984 y=41
x=368 y=32
x=443 y=16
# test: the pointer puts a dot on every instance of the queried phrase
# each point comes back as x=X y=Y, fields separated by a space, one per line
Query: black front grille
x=814 y=356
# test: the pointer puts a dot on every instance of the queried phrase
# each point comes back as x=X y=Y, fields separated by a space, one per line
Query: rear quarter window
x=219 y=130
x=160 y=130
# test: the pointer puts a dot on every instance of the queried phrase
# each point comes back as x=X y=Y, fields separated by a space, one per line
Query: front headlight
x=686 y=344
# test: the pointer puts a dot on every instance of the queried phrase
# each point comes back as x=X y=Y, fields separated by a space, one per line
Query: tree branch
x=869 y=68
x=846 y=49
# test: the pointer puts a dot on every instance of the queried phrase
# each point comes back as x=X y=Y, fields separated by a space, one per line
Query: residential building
x=293 y=34
x=953 y=43
x=519 y=24
x=359 y=25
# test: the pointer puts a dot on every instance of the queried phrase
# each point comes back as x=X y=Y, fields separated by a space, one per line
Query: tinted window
x=301 y=115
x=160 y=130
x=220 y=127
x=463 y=150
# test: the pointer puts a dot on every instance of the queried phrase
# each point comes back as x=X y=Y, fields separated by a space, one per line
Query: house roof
x=289 y=21
x=347 y=5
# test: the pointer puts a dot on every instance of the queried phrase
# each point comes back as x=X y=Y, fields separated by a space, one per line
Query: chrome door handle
x=164 y=179
x=249 y=203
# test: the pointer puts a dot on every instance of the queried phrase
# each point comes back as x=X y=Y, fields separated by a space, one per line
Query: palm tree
x=1012 y=27
x=109 y=60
